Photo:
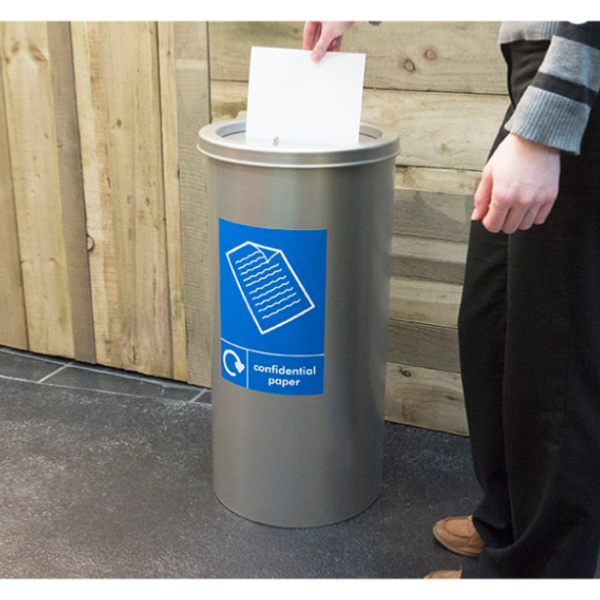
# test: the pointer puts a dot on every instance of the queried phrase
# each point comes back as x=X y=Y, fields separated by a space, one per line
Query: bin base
x=289 y=522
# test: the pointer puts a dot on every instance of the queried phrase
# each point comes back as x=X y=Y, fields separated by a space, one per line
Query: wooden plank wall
x=100 y=186
x=103 y=233
x=442 y=87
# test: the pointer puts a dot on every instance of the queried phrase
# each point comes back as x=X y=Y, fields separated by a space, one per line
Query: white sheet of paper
x=298 y=101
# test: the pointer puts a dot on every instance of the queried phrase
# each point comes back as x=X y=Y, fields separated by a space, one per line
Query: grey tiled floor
x=28 y=367
x=107 y=474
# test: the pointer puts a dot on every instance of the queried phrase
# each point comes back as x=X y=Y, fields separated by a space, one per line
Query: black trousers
x=529 y=333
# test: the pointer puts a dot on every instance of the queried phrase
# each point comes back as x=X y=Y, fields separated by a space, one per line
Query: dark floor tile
x=26 y=366
x=205 y=397
x=76 y=376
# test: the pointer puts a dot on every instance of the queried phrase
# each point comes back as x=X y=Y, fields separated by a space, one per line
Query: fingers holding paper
x=324 y=36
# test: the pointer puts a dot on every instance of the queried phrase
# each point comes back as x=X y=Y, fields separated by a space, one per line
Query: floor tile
x=25 y=366
x=205 y=397
x=76 y=376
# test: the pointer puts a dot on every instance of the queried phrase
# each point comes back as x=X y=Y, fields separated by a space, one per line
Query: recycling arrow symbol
x=239 y=366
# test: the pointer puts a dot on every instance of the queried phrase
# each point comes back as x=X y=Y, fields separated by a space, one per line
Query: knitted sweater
x=555 y=108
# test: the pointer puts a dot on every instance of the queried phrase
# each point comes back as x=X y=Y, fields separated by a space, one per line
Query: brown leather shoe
x=459 y=535
x=444 y=575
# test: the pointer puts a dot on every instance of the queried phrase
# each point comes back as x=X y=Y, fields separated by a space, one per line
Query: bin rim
x=223 y=141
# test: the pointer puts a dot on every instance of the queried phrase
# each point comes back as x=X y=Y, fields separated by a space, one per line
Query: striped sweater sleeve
x=555 y=108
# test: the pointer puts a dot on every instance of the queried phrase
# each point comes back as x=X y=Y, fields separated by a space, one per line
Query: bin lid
x=226 y=141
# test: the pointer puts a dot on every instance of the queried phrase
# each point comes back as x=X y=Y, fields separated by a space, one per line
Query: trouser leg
x=529 y=336
x=534 y=413
x=482 y=344
x=530 y=349
x=482 y=340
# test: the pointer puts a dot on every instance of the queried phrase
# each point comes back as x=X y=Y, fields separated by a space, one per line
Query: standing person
x=529 y=322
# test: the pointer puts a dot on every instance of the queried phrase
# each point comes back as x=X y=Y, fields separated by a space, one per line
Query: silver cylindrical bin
x=301 y=242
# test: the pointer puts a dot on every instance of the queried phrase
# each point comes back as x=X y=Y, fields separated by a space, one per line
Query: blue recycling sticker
x=272 y=284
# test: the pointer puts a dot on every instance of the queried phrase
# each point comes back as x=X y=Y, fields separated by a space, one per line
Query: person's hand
x=323 y=36
x=518 y=187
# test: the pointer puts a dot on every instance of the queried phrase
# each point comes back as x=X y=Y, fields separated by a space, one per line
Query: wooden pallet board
x=116 y=68
x=425 y=398
x=193 y=112
x=32 y=134
x=13 y=325
x=437 y=130
x=419 y=56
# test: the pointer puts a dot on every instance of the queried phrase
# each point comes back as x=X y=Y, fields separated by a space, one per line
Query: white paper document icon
x=271 y=289
x=293 y=100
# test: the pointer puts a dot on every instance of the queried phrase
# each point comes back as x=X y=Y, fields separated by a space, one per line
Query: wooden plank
x=13 y=326
x=422 y=345
x=433 y=215
x=168 y=102
x=130 y=58
x=429 y=249
x=425 y=398
x=428 y=270
x=193 y=112
x=442 y=130
x=431 y=56
x=231 y=42
x=227 y=100
x=116 y=69
x=92 y=108
x=425 y=56
x=71 y=185
x=437 y=130
x=135 y=165
x=428 y=302
x=428 y=259
x=449 y=181
x=36 y=181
